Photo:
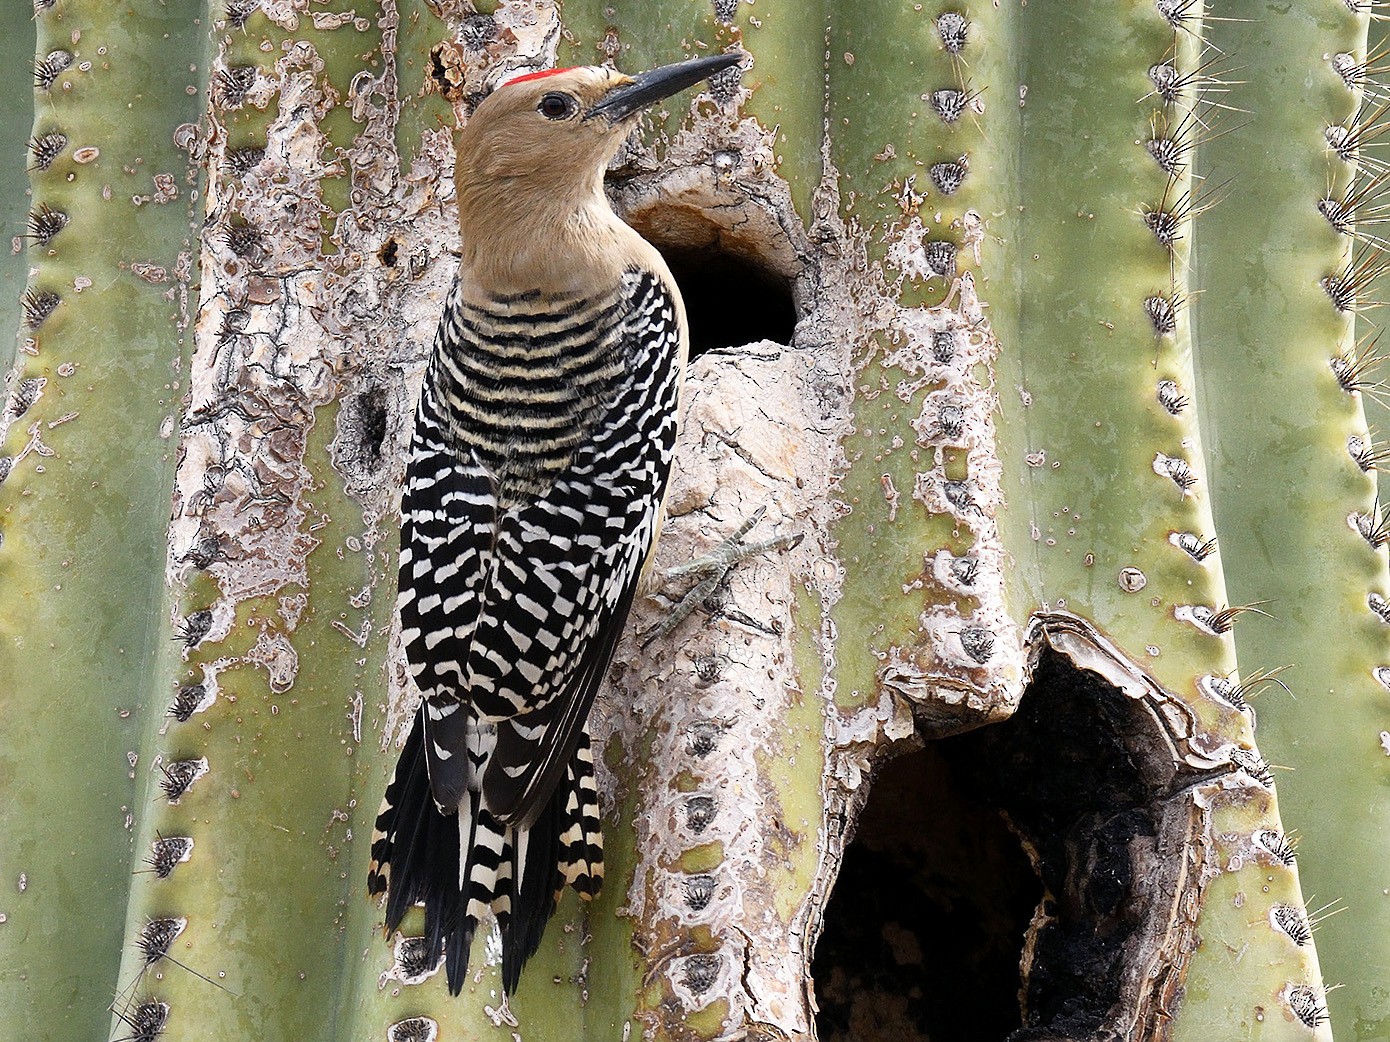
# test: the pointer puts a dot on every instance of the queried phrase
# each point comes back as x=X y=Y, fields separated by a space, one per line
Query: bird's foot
x=713 y=570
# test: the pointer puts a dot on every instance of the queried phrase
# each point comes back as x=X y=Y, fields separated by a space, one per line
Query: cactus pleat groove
x=1063 y=463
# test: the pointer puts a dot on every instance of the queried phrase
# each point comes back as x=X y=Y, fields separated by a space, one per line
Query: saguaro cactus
x=100 y=332
x=1297 y=238
x=1034 y=366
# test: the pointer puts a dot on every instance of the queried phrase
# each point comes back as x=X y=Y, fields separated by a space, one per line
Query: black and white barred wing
x=449 y=517
x=566 y=569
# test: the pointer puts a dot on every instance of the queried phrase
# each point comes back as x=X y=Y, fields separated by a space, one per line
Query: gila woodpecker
x=532 y=498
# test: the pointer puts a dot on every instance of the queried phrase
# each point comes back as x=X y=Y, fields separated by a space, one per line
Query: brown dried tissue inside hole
x=1052 y=819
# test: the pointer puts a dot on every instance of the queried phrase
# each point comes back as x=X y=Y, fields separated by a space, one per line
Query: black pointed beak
x=649 y=87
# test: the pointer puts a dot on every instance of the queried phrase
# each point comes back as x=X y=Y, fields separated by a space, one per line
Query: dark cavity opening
x=362 y=427
x=731 y=296
x=998 y=880
x=923 y=928
x=730 y=300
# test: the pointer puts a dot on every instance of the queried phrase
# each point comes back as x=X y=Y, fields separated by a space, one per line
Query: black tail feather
x=539 y=892
x=415 y=860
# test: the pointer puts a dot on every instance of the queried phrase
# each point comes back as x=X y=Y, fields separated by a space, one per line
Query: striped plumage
x=542 y=444
x=536 y=469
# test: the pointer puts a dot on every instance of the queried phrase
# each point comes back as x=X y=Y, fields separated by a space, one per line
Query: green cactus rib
x=1226 y=995
x=422 y=107
x=1284 y=482
x=1096 y=384
x=788 y=49
x=17 y=130
x=253 y=819
x=1084 y=426
x=912 y=173
x=85 y=502
x=907 y=128
x=272 y=881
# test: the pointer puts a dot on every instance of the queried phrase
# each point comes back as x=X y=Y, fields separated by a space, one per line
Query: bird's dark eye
x=557 y=106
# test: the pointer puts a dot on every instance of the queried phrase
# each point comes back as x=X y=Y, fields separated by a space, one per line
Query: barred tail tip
x=417 y=851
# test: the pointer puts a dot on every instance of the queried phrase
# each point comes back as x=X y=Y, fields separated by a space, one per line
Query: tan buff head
x=530 y=165
x=535 y=128
x=560 y=126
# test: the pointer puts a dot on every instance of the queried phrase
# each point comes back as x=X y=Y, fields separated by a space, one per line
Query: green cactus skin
x=16 y=131
x=84 y=511
x=1085 y=430
x=1284 y=483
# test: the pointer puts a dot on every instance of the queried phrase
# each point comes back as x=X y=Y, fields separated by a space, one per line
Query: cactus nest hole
x=734 y=292
x=1005 y=883
x=922 y=932
x=730 y=299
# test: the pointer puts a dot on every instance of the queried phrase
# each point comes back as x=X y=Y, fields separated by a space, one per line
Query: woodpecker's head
x=529 y=173
x=554 y=126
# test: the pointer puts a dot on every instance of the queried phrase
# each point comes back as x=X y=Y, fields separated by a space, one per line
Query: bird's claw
x=712 y=570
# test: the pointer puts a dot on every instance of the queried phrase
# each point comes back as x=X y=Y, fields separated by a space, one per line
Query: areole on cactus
x=1040 y=340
